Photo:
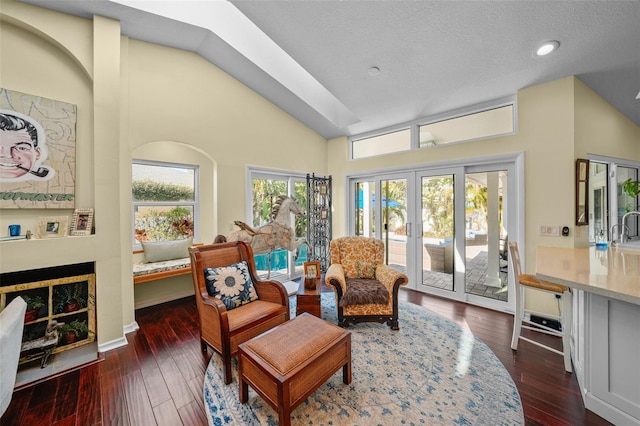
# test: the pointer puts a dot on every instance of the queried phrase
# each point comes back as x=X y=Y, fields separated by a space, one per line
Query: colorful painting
x=37 y=152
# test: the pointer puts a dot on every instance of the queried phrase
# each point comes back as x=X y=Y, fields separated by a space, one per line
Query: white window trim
x=195 y=203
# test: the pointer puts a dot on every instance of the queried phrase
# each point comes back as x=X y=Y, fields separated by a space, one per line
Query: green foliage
x=33 y=302
x=266 y=193
x=158 y=225
x=148 y=190
x=437 y=207
x=68 y=294
x=79 y=327
x=632 y=189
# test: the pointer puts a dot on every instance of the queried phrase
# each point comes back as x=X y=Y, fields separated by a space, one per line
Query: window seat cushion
x=163 y=266
x=158 y=251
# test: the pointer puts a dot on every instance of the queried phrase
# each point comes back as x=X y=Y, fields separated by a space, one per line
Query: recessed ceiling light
x=374 y=71
x=638 y=95
x=547 y=48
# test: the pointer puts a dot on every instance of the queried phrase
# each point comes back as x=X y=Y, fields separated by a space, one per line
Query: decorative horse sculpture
x=276 y=234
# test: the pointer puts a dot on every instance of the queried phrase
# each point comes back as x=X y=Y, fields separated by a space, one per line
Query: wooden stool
x=519 y=322
x=287 y=364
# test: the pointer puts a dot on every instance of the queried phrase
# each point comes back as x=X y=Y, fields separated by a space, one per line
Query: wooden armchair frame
x=224 y=330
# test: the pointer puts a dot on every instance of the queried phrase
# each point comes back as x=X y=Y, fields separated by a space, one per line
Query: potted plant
x=73 y=331
x=69 y=297
x=34 y=303
x=632 y=189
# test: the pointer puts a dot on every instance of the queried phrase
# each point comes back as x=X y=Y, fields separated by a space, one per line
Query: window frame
x=265 y=173
x=194 y=205
x=415 y=125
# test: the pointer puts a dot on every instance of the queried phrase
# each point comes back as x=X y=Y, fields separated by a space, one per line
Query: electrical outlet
x=549 y=231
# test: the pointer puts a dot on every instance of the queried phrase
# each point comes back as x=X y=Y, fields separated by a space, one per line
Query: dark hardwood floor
x=157 y=378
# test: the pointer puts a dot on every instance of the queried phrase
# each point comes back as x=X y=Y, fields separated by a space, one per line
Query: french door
x=608 y=202
x=266 y=187
x=384 y=216
x=446 y=228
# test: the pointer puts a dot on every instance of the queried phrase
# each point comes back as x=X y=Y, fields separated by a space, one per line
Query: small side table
x=308 y=300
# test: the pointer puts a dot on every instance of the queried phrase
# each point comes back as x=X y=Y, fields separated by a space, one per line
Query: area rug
x=430 y=372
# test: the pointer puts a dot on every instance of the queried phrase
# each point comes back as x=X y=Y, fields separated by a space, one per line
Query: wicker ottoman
x=288 y=363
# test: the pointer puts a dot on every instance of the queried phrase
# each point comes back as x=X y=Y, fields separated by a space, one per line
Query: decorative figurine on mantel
x=276 y=234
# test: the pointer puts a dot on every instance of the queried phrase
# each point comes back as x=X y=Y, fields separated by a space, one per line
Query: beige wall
x=154 y=102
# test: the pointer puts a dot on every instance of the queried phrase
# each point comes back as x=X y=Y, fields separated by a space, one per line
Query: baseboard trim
x=159 y=300
x=131 y=327
x=114 y=344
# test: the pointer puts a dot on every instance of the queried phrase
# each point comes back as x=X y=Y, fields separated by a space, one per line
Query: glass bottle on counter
x=601 y=241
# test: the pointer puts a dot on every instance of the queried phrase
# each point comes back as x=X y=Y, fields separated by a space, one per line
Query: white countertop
x=614 y=273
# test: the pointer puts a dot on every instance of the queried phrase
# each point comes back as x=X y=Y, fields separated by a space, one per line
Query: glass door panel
x=625 y=202
x=598 y=177
x=281 y=264
x=437 y=215
x=300 y=256
x=394 y=222
x=486 y=237
x=365 y=208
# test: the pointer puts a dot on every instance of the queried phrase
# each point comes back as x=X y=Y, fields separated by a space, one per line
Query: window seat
x=152 y=271
x=143 y=272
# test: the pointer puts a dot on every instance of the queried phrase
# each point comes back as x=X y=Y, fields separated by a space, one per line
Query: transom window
x=471 y=124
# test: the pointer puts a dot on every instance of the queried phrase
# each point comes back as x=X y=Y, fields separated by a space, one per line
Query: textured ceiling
x=434 y=56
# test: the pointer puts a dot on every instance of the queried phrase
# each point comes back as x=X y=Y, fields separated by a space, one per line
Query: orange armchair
x=224 y=329
x=366 y=289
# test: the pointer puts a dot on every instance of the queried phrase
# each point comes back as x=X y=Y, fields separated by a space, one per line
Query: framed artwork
x=323 y=188
x=582 y=192
x=311 y=269
x=52 y=226
x=42 y=172
x=82 y=222
x=324 y=214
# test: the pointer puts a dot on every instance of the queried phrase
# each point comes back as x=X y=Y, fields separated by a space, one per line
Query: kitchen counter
x=605 y=335
x=614 y=273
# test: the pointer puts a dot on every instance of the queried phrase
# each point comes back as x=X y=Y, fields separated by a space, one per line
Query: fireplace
x=61 y=297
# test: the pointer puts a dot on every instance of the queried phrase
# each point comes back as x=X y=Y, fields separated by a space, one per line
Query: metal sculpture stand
x=319 y=219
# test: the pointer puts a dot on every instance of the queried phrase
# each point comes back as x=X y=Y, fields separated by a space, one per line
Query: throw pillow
x=232 y=284
x=366 y=270
x=158 y=251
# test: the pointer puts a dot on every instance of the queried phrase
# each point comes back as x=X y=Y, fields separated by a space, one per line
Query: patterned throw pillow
x=366 y=270
x=232 y=284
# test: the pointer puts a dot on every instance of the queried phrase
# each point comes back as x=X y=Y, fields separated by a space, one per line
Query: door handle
x=407 y=228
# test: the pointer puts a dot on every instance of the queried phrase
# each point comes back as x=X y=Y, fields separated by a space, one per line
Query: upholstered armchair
x=366 y=289
x=11 y=327
x=234 y=305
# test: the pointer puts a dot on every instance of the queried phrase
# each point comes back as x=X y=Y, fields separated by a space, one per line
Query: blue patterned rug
x=430 y=372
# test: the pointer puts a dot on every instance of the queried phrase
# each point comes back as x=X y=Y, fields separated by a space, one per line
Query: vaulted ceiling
x=350 y=67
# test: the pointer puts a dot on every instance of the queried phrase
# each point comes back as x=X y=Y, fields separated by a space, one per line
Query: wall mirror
x=582 y=185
